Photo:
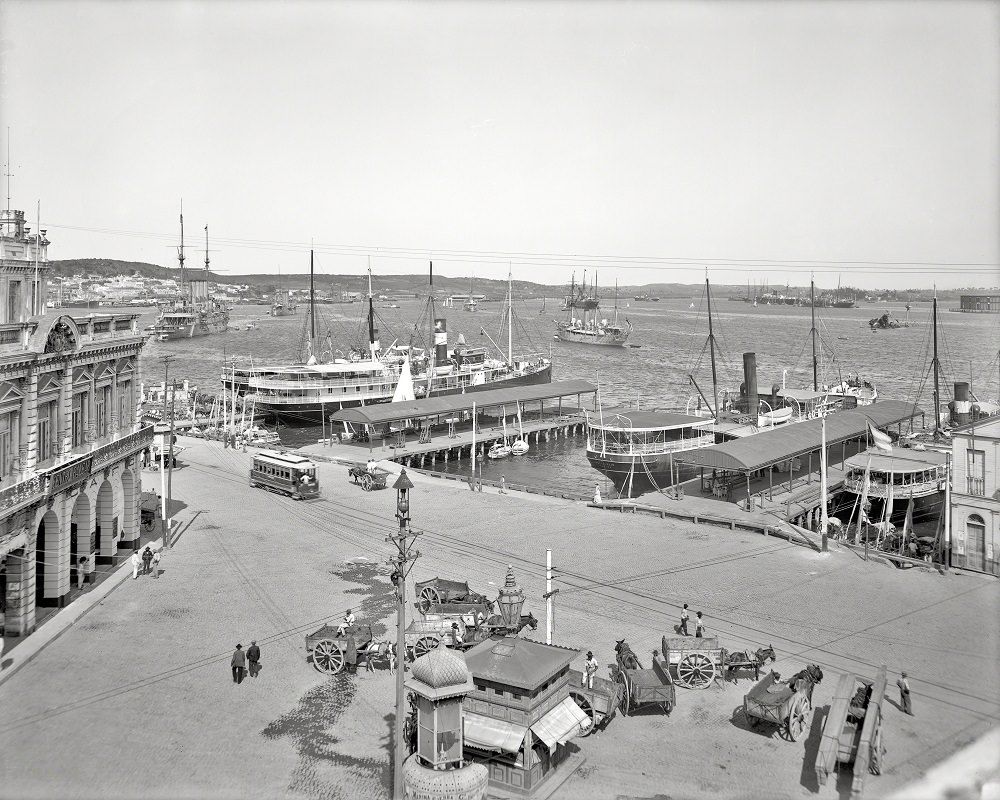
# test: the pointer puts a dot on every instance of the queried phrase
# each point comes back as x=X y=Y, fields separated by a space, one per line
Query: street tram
x=286 y=473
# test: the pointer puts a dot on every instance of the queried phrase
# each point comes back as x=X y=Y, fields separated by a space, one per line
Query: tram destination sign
x=69 y=474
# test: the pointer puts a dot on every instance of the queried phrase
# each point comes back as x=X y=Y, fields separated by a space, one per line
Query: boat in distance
x=590 y=328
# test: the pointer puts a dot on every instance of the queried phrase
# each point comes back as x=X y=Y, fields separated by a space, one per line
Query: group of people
x=699 y=625
x=243 y=660
x=148 y=562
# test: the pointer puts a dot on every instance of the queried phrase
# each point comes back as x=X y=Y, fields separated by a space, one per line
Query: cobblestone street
x=137 y=699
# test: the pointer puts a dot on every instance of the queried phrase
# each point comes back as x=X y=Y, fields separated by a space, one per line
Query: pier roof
x=798 y=439
x=381 y=413
x=900 y=460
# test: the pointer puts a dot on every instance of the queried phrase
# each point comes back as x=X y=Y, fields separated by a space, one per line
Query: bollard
x=503 y=485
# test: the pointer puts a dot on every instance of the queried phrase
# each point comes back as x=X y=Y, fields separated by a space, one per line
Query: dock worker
x=590 y=668
x=699 y=627
x=347 y=623
x=904 y=693
x=684 y=620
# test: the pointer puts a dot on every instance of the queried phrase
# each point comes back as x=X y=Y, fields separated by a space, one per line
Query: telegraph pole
x=163 y=457
x=402 y=562
x=170 y=471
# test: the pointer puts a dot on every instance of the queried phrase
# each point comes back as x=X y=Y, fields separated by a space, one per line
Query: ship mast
x=206 y=252
x=180 y=250
x=711 y=345
x=510 y=318
x=937 y=396
x=812 y=302
x=312 y=302
x=371 y=312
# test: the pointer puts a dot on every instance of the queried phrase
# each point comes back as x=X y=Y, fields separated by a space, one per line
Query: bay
x=672 y=337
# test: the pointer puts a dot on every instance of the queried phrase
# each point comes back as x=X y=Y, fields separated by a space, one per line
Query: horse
x=627 y=659
x=801 y=680
x=739 y=659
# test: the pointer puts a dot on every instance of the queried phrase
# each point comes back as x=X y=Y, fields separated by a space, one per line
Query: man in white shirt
x=347 y=623
x=136 y=563
x=589 y=670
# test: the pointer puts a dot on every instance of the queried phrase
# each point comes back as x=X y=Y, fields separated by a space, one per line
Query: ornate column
x=29 y=421
x=65 y=416
x=19 y=619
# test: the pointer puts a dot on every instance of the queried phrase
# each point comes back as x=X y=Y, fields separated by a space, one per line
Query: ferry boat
x=197 y=314
x=854 y=391
x=590 y=328
x=636 y=449
x=284 y=304
x=306 y=393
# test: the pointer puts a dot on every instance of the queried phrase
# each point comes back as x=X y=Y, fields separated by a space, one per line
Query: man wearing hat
x=904 y=693
x=238 y=663
x=253 y=659
x=589 y=670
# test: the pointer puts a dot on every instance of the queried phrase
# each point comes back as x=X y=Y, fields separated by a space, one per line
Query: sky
x=651 y=141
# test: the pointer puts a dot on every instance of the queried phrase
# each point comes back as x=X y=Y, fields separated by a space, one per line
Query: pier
x=420 y=433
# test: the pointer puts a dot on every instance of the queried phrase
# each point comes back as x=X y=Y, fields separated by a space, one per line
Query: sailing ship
x=471 y=304
x=307 y=392
x=283 y=303
x=590 y=327
x=195 y=314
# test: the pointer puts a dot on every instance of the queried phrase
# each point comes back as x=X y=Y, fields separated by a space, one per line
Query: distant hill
x=417 y=284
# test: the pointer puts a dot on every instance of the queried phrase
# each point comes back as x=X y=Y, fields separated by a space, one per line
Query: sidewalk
x=22 y=649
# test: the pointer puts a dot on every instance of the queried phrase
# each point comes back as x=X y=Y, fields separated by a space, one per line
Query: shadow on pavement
x=808 y=778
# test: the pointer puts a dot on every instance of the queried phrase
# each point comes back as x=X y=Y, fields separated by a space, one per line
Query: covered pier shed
x=384 y=418
x=778 y=448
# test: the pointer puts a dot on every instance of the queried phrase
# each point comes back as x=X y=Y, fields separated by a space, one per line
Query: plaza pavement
x=137 y=699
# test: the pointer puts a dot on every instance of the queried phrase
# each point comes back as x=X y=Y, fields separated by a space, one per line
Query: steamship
x=307 y=393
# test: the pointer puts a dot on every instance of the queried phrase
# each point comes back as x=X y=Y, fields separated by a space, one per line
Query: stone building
x=70 y=435
x=975 y=496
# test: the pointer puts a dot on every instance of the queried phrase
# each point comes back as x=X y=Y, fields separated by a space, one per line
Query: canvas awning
x=488 y=733
x=561 y=724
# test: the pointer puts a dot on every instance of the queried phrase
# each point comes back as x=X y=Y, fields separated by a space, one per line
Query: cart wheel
x=797 y=716
x=366 y=483
x=695 y=671
x=625 y=704
x=875 y=765
x=587 y=709
x=428 y=596
x=424 y=645
x=327 y=657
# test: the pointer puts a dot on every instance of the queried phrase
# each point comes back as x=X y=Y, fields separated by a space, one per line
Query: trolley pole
x=403 y=539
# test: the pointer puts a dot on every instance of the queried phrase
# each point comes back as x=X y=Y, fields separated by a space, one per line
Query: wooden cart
x=442 y=596
x=787 y=704
x=599 y=703
x=852 y=733
x=696 y=661
x=329 y=649
x=642 y=687
x=368 y=480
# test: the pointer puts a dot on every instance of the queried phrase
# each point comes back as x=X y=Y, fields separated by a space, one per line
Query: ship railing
x=359 y=383
x=899 y=491
x=650 y=448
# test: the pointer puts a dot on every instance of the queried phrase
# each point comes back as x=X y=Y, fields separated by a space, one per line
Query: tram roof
x=900 y=460
x=380 y=413
x=647 y=421
x=797 y=439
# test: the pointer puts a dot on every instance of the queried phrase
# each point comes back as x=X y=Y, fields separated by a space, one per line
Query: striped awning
x=561 y=724
x=488 y=733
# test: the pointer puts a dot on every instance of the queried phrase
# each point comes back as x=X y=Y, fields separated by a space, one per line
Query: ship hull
x=312 y=412
x=591 y=337
x=636 y=475
x=192 y=330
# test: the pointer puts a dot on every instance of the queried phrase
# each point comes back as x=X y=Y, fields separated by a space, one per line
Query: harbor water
x=669 y=343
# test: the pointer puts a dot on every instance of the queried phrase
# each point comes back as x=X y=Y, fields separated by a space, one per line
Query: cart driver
x=589 y=670
x=370 y=467
x=348 y=622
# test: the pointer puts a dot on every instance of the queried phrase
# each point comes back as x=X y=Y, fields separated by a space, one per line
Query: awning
x=488 y=733
x=561 y=724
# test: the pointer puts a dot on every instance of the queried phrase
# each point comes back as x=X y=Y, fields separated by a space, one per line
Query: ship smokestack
x=440 y=341
x=750 y=382
x=961 y=406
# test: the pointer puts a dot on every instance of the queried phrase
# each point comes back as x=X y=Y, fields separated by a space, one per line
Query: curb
x=66 y=619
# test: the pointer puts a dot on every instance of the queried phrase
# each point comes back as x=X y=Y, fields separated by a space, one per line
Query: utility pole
x=402 y=563
x=170 y=472
x=163 y=457
x=549 y=596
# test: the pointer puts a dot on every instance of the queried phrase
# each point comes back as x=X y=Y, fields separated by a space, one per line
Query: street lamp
x=510 y=601
x=402 y=564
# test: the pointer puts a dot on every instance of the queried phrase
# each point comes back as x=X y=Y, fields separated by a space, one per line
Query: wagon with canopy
x=852 y=733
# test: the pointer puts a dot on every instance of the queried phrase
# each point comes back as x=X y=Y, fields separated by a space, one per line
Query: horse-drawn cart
x=642 y=687
x=787 y=704
x=441 y=596
x=696 y=661
x=331 y=651
x=369 y=480
x=852 y=733
x=600 y=703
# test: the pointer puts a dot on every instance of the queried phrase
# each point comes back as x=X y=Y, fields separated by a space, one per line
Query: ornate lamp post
x=403 y=563
x=510 y=601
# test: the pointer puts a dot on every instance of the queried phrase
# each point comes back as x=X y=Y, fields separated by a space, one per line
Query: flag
x=880 y=439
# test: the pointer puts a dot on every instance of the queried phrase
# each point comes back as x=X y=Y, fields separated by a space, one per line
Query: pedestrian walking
x=590 y=668
x=156 y=564
x=253 y=659
x=239 y=663
x=147 y=557
x=136 y=563
x=81 y=572
x=684 y=620
x=699 y=627
x=904 y=693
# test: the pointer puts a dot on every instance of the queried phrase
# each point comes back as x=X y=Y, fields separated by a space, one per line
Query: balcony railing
x=976 y=486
